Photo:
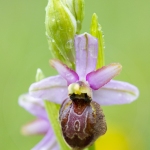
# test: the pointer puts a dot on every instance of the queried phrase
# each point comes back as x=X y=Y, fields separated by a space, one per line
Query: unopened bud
x=61 y=28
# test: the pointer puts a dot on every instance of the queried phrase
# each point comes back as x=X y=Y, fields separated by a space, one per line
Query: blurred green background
x=24 y=48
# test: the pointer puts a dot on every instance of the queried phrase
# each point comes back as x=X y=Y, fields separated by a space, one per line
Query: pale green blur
x=24 y=48
x=39 y=75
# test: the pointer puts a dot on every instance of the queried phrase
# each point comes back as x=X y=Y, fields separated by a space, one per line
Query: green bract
x=62 y=22
x=96 y=31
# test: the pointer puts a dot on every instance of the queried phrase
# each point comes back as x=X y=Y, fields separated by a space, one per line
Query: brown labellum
x=82 y=121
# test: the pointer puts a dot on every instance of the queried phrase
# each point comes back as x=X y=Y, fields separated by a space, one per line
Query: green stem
x=92 y=147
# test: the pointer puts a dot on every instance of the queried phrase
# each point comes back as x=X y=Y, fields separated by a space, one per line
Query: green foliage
x=96 y=31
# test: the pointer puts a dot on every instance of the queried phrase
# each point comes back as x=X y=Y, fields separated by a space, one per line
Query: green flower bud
x=96 y=31
x=61 y=27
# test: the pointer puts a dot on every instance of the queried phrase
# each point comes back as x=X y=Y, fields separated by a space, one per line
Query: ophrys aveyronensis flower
x=81 y=93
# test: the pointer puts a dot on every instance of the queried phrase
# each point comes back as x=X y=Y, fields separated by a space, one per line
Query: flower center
x=80 y=89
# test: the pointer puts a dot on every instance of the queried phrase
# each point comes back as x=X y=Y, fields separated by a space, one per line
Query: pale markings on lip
x=70 y=125
x=77 y=125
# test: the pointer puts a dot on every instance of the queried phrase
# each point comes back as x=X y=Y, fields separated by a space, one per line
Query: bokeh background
x=24 y=48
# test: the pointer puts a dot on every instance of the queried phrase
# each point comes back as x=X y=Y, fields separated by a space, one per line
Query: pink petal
x=33 y=105
x=103 y=75
x=51 y=88
x=86 y=54
x=47 y=143
x=38 y=126
x=116 y=92
x=70 y=75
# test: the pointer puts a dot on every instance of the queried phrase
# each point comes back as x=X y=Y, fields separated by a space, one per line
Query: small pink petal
x=103 y=75
x=70 y=75
x=51 y=88
x=33 y=105
x=116 y=92
x=38 y=126
x=86 y=54
x=47 y=143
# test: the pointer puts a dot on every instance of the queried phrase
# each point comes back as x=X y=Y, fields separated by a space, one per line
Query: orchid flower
x=104 y=90
x=97 y=84
x=40 y=126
